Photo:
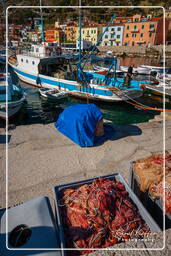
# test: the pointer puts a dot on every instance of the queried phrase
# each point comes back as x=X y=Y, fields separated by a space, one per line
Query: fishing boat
x=53 y=94
x=54 y=71
x=13 y=94
x=155 y=69
x=161 y=90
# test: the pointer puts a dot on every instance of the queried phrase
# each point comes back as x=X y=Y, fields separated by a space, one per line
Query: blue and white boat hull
x=92 y=91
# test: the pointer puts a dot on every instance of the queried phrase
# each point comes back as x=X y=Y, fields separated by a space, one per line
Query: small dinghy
x=53 y=94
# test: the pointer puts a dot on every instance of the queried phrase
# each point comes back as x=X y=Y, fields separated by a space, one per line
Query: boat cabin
x=45 y=50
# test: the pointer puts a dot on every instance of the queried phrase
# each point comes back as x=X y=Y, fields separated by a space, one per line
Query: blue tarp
x=79 y=122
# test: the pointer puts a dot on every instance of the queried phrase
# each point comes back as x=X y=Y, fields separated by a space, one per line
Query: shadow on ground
x=115 y=132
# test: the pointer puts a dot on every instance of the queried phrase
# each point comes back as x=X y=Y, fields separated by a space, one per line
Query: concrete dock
x=39 y=158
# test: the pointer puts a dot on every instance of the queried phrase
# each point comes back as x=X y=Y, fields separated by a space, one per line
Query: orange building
x=140 y=31
x=54 y=35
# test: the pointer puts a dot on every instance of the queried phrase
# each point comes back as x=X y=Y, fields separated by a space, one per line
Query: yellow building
x=90 y=33
x=70 y=30
x=168 y=13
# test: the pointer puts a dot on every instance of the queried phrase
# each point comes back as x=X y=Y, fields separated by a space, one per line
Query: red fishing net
x=99 y=215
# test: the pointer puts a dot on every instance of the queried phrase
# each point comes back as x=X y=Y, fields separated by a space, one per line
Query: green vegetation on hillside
x=99 y=15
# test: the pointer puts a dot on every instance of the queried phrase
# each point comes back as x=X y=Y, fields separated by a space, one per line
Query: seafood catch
x=98 y=215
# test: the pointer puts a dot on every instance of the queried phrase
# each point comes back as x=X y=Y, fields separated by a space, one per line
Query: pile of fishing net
x=99 y=215
x=157 y=190
x=150 y=173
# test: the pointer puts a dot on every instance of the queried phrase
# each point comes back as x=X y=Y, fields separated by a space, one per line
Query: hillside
x=99 y=15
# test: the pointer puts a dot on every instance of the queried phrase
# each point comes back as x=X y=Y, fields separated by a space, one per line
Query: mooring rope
x=138 y=104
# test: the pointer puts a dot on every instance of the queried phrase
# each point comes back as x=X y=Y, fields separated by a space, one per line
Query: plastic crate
x=143 y=212
x=154 y=206
x=37 y=215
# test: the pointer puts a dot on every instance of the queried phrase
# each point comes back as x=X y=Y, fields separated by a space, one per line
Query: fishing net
x=149 y=174
x=149 y=170
x=99 y=215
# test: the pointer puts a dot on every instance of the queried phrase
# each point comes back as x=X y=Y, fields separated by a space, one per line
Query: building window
x=21 y=60
x=135 y=27
x=127 y=35
x=37 y=49
x=106 y=36
x=127 y=27
x=141 y=35
x=118 y=36
x=91 y=31
x=94 y=31
x=151 y=25
x=33 y=62
x=26 y=61
x=119 y=29
x=112 y=29
x=150 y=34
x=105 y=44
x=142 y=27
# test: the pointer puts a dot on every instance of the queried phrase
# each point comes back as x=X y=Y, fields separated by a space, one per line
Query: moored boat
x=43 y=66
x=12 y=97
x=161 y=90
x=53 y=94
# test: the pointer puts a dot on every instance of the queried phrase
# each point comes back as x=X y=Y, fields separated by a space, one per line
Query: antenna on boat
x=41 y=14
x=80 y=36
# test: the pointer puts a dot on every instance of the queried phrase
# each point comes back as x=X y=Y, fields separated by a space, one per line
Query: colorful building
x=168 y=13
x=54 y=35
x=70 y=31
x=140 y=31
x=159 y=37
x=90 y=33
x=113 y=36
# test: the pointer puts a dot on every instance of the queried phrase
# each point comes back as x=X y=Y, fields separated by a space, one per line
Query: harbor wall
x=140 y=50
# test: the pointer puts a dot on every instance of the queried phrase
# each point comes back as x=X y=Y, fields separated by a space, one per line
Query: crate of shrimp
x=99 y=213
x=149 y=180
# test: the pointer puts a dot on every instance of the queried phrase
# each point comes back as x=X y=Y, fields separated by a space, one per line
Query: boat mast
x=41 y=14
x=80 y=36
